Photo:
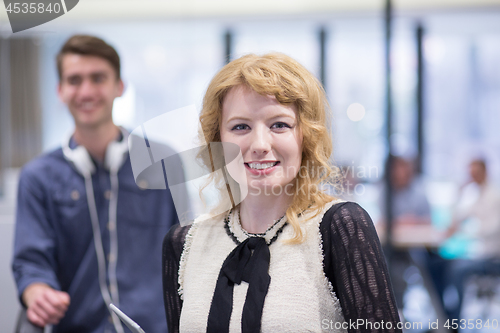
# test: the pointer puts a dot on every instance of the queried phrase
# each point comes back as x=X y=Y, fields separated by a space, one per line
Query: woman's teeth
x=261 y=166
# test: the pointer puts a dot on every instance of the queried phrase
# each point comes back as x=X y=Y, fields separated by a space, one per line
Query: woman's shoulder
x=347 y=218
x=177 y=233
x=174 y=240
x=176 y=237
x=344 y=208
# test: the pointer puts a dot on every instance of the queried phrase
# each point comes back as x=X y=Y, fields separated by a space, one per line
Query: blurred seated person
x=478 y=210
x=409 y=202
x=479 y=202
x=409 y=207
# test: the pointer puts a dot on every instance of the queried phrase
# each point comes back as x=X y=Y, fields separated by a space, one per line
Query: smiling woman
x=289 y=257
x=270 y=141
x=287 y=86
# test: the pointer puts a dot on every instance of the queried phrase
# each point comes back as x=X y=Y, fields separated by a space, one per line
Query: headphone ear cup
x=116 y=153
x=80 y=159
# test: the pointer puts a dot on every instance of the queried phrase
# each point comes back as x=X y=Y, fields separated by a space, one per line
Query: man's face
x=88 y=87
x=477 y=172
x=401 y=174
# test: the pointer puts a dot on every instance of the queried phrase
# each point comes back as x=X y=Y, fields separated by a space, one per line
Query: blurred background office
x=442 y=109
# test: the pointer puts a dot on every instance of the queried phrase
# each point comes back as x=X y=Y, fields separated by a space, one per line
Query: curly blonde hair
x=289 y=82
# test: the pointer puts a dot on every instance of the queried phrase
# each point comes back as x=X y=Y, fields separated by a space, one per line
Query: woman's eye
x=281 y=125
x=240 y=127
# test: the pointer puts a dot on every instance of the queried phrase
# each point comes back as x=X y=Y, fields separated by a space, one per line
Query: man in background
x=86 y=234
x=410 y=207
x=479 y=202
x=479 y=208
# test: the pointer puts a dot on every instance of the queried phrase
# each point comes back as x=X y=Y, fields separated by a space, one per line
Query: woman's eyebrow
x=282 y=115
x=273 y=117
x=238 y=118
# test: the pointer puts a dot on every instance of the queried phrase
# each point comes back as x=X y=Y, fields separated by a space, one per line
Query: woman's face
x=269 y=137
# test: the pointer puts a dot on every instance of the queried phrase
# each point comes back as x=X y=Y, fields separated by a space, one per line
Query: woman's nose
x=261 y=141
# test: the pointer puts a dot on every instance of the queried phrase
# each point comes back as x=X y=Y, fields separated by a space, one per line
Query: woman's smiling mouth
x=259 y=168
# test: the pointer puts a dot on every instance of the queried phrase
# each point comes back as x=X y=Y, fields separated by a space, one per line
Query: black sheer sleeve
x=356 y=267
x=173 y=245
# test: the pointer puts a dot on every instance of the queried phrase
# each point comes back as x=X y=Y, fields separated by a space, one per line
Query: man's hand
x=45 y=305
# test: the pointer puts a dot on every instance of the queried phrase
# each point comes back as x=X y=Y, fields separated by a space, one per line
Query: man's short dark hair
x=89 y=46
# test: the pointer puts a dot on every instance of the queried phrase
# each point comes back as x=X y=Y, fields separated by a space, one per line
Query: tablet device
x=132 y=325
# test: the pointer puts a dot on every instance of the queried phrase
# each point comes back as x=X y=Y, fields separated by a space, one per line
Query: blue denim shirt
x=54 y=242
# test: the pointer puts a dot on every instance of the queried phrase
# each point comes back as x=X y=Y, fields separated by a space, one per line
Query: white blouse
x=300 y=297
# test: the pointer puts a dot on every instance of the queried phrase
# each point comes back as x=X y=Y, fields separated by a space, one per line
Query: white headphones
x=116 y=153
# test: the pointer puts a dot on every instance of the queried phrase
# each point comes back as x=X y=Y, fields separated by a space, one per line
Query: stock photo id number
x=28 y=14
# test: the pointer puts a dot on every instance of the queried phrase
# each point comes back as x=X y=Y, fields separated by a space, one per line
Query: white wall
x=9 y=305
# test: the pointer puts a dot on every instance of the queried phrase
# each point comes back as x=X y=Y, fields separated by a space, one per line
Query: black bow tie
x=248 y=262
